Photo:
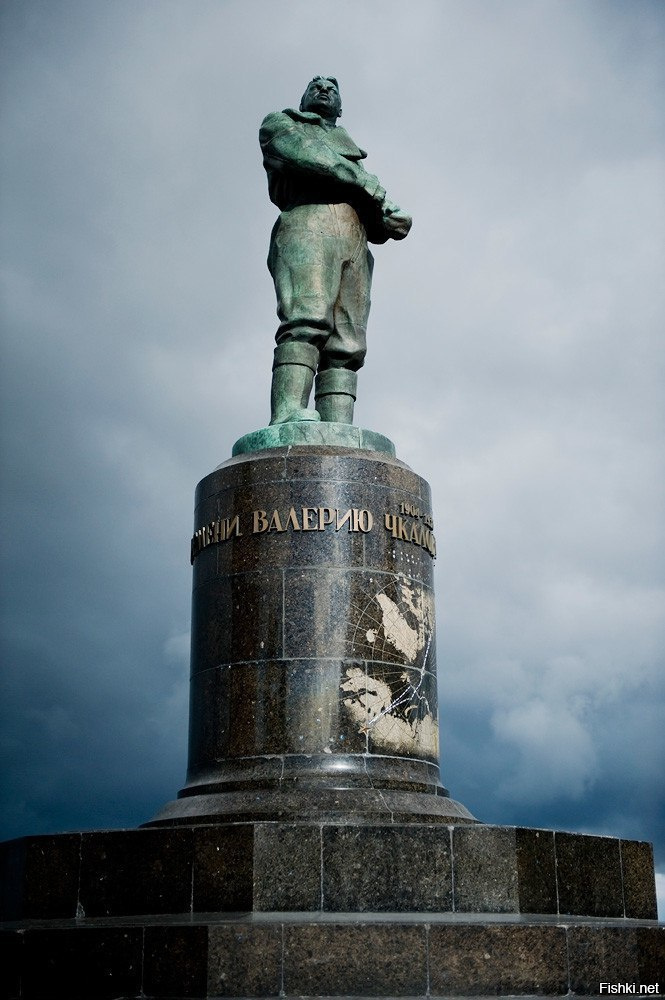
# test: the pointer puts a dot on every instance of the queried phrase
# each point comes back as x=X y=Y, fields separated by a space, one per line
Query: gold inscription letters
x=312 y=519
x=411 y=532
x=404 y=527
x=217 y=531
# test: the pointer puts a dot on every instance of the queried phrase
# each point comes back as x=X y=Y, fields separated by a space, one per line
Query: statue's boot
x=292 y=378
x=335 y=394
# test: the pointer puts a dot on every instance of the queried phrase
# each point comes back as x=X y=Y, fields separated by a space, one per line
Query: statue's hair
x=330 y=79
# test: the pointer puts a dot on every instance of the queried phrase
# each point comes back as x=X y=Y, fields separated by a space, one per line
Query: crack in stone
x=623 y=884
x=378 y=791
x=321 y=867
x=80 y=912
x=282 y=992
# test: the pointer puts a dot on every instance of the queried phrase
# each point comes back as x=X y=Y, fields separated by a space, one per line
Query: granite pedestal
x=313 y=669
x=286 y=909
x=313 y=850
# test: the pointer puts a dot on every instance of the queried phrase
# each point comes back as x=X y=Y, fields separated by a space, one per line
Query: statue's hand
x=396 y=222
x=372 y=186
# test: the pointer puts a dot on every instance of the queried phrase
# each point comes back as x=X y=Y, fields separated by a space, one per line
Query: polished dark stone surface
x=288 y=868
x=615 y=954
x=39 y=876
x=307 y=803
x=313 y=641
x=125 y=873
x=82 y=964
x=247 y=713
x=373 y=869
x=339 y=959
x=498 y=959
x=325 y=866
x=222 y=635
x=222 y=868
x=175 y=961
x=589 y=875
x=536 y=870
x=485 y=869
x=245 y=961
x=638 y=886
x=12 y=962
x=319 y=955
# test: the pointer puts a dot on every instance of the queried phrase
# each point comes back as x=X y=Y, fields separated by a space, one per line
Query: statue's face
x=322 y=96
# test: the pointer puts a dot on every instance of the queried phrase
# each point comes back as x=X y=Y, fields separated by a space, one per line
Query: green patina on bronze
x=300 y=432
x=319 y=259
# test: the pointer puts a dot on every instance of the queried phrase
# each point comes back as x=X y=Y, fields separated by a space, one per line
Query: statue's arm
x=284 y=143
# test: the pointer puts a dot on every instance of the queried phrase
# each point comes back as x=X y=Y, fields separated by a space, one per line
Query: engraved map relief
x=392 y=695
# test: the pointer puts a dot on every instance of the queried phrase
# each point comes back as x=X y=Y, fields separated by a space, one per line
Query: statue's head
x=322 y=96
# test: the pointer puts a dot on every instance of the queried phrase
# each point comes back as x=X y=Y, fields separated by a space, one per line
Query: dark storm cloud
x=524 y=309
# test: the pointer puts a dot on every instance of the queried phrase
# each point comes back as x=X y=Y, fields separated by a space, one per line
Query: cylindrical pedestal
x=313 y=687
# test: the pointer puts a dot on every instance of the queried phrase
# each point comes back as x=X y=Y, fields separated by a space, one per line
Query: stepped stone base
x=349 y=806
x=325 y=909
x=340 y=955
x=328 y=867
x=313 y=851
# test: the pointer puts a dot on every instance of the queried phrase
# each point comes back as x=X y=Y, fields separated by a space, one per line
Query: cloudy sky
x=515 y=358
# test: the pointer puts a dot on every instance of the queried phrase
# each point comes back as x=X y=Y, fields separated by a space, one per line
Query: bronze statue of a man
x=319 y=259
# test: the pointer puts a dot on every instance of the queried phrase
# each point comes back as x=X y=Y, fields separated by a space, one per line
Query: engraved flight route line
x=391 y=702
